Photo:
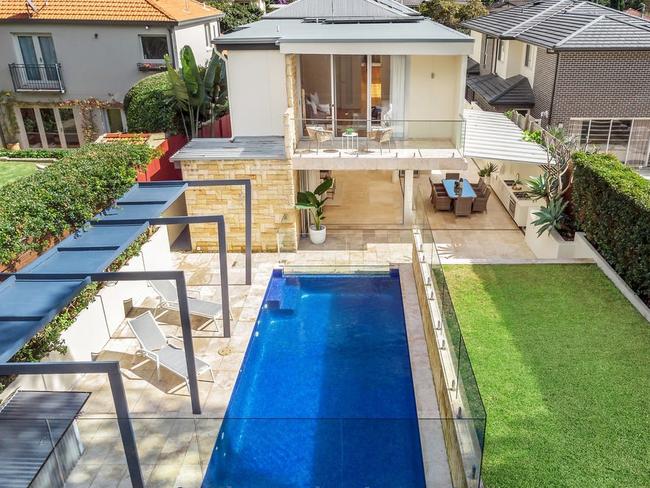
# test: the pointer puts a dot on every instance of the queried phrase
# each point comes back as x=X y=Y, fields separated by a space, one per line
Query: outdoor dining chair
x=441 y=200
x=463 y=206
x=452 y=176
x=168 y=301
x=480 y=202
x=382 y=135
x=156 y=347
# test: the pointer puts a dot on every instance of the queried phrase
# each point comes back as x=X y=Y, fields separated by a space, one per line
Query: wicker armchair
x=480 y=202
x=381 y=136
x=463 y=206
x=319 y=135
x=441 y=200
x=452 y=176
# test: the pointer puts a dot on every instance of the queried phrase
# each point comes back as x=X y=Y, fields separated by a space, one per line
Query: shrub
x=150 y=108
x=612 y=205
x=235 y=14
x=35 y=153
x=41 y=207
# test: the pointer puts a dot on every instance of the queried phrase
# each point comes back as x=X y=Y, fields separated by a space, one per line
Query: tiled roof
x=514 y=91
x=567 y=24
x=170 y=11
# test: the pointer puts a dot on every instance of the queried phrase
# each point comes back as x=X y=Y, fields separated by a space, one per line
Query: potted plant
x=487 y=170
x=314 y=202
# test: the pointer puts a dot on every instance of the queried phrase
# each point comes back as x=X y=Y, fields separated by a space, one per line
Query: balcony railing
x=386 y=138
x=37 y=77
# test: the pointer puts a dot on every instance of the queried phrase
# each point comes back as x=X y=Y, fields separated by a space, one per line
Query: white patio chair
x=168 y=300
x=156 y=347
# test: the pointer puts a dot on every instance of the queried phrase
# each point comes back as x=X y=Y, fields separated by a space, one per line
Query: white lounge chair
x=168 y=296
x=156 y=347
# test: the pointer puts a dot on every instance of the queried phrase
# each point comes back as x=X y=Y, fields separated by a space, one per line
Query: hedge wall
x=613 y=209
x=37 y=209
x=36 y=153
x=150 y=108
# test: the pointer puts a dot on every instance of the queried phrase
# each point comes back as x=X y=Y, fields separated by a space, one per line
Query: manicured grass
x=563 y=365
x=12 y=171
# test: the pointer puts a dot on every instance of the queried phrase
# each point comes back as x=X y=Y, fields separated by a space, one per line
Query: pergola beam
x=110 y=368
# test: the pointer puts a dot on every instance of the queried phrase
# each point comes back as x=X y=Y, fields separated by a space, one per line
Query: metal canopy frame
x=110 y=368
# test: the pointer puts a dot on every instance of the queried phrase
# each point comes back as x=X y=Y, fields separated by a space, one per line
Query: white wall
x=478 y=41
x=434 y=91
x=195 y=37
x=257 y=92
x=513 y=61
x=98 y=61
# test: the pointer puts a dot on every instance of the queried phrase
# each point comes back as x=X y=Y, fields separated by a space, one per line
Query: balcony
x=37 y=77
x=387 y=145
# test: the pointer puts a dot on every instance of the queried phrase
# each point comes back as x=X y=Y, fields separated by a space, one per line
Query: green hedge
x=613 y=209
x=150 y=108
x=35 y=153
x=39 y=208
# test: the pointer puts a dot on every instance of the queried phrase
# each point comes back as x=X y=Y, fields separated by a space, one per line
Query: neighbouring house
x=569 y=63
x=66 y=65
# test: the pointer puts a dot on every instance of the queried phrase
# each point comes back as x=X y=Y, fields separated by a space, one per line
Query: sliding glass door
x=351 y=92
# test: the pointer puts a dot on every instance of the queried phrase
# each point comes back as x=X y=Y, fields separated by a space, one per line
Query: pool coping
x=434 y=454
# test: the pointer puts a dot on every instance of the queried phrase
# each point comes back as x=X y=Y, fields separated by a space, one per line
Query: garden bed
x=561 y=360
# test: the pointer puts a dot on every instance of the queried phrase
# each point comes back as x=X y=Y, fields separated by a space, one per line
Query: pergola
x=32 y=297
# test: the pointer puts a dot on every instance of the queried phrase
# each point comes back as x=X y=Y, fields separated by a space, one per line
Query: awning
x=492 y=135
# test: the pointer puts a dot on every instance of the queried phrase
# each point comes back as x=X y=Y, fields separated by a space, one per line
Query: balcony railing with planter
x=37 y=77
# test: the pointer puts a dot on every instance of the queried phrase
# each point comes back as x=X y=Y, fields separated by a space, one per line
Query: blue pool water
x=325 y=396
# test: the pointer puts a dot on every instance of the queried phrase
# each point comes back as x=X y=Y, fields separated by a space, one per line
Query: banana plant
x=314 y=202
x=196 y=89
x=550 y=217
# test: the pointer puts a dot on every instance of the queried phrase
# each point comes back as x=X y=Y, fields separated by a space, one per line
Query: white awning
x=492 y=135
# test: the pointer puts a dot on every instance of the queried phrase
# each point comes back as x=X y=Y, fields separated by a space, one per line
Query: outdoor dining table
x=467 y=191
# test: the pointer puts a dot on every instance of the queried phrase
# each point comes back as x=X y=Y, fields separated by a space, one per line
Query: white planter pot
x=317 y=236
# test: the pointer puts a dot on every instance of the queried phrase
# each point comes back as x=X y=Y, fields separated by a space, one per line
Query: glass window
x=500 y=50
x=69 y=127
x=316 y=89
x=208 y=35
x=114 y=117
x=154 y=47
x=50 y=127
x=527 y=55
x=31 y=127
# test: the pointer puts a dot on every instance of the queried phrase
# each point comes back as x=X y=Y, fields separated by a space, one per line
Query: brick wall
x=602 y=84
x=273 y=189
x=543 y=81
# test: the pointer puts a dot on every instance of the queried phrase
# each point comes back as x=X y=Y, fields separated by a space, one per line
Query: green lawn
x=12 y=171
x=563 y=365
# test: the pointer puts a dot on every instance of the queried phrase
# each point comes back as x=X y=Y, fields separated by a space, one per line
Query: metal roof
x=567 y=25
x=332 y=9
x=200 y=149
x=492 y=135
x=27 y=305
x=31 y=422
x=278 y=31
x=514 y=91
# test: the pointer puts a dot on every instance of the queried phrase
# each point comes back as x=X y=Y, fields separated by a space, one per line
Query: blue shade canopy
x=27 y=304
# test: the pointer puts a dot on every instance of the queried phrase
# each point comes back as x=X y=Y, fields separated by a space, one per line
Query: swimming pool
x=325 y=395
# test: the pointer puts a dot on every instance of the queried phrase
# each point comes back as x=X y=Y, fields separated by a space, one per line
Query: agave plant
x=550 y=217
x=539 y=188
x=314 y=202
x=195 y=88
x=487 y=170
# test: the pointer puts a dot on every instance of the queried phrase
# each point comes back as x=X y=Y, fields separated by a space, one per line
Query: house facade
x=65 y=66
x=334 y=76
x=574 y=64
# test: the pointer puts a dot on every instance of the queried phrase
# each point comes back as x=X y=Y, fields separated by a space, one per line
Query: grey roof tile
x=514 y=91
x=567 y=24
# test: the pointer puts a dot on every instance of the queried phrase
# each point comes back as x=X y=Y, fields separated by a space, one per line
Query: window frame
x=141 y=37
x=500 y=50
x=528 y=56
